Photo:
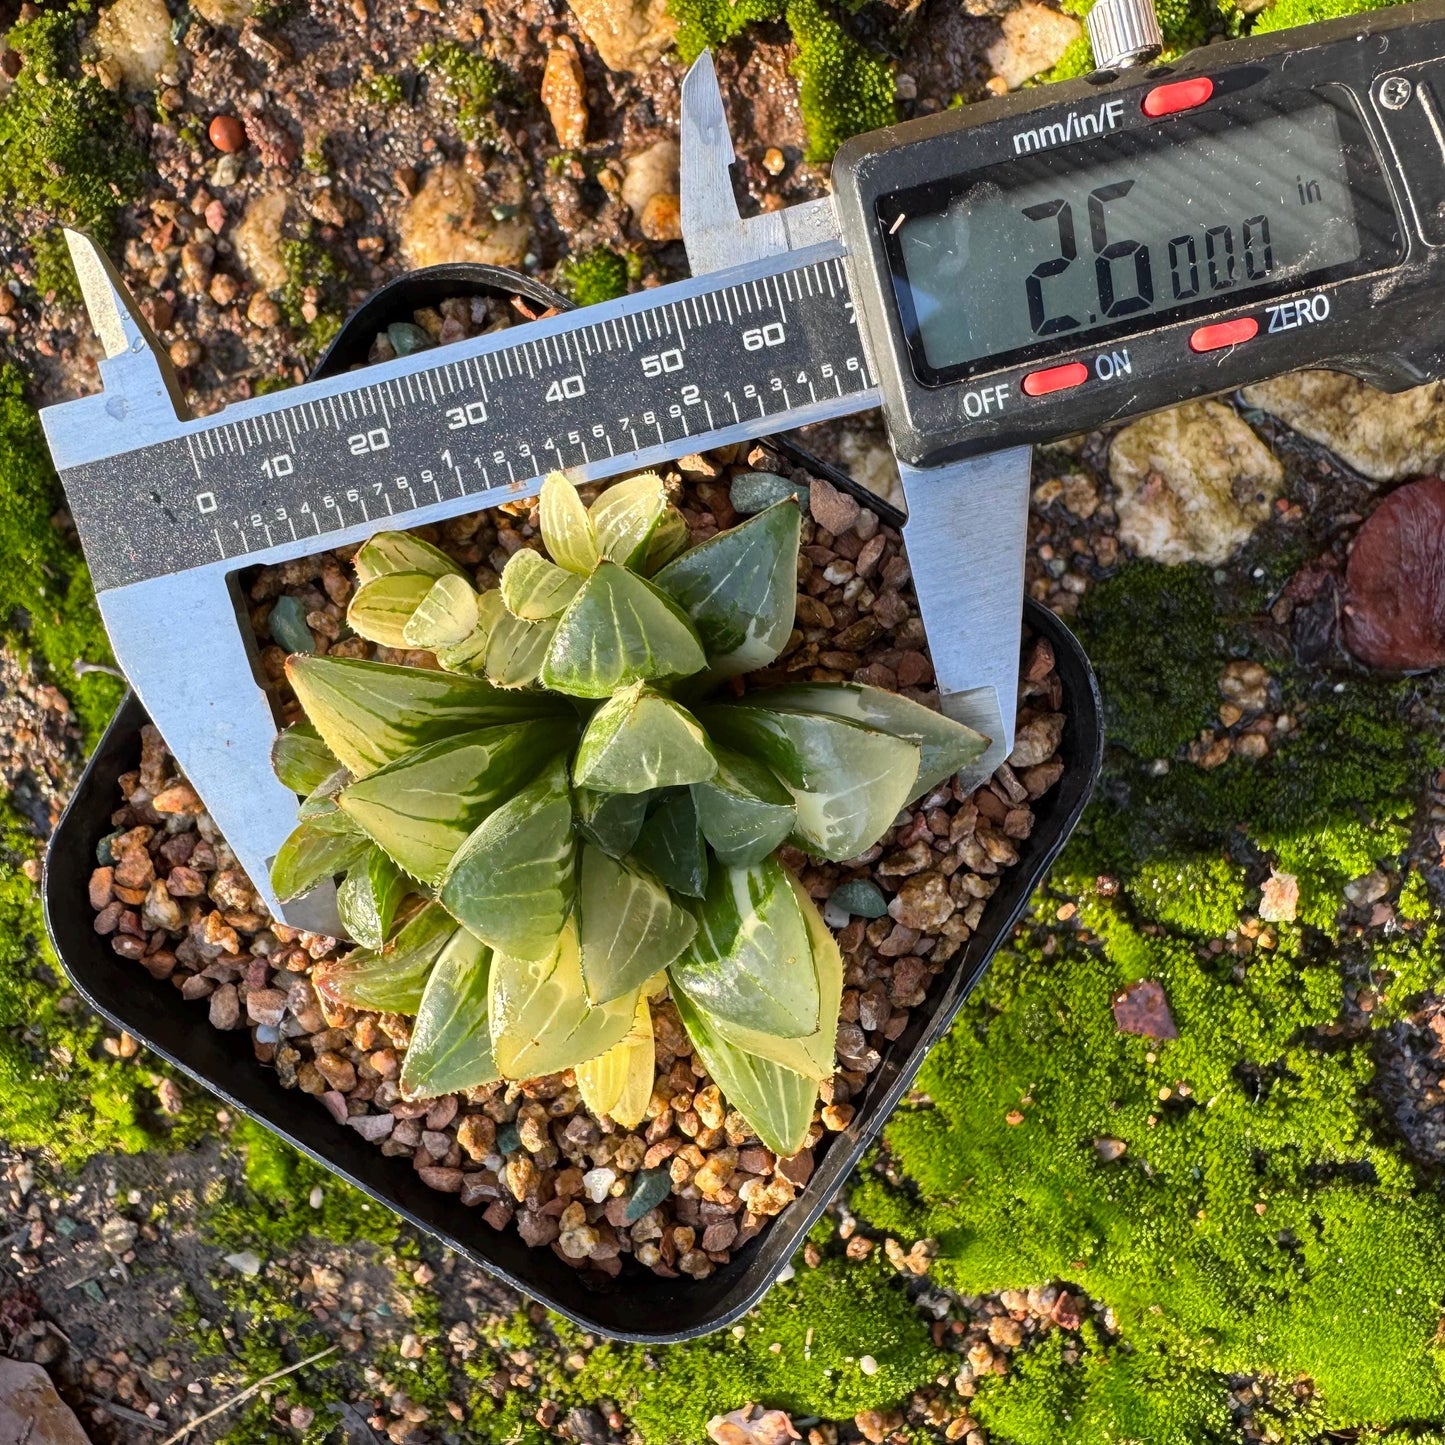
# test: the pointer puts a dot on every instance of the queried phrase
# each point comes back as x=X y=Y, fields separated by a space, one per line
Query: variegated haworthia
x=577 y=811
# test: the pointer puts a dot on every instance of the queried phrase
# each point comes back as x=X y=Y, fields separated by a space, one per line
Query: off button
x=1055 y=378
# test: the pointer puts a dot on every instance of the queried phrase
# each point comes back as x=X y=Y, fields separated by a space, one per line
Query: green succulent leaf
x=740 y=589
x=316 y=849
x=945 y=746
x=446 y=616
x=389 y=552
x=535 y=589
x=848 y=782
x=566 y=527
x=451 y=1042
x=541 y=1020
x=368 y=898
x=636 y=525
x=379 y=610
x=470 y=654
x=619 y=1082
x=744 y=811
x=776 y=1101
x=812 y=1055
x=512 y=882
x=322 y=798
x=616 y=631
x=372 y=713
x=751 y=962
x=515 y=653
x=422 y=807
x=640 y=740
x=629 y=926
x=671 y=848
x=301 y=760
x=390 y=979
x=611 y=820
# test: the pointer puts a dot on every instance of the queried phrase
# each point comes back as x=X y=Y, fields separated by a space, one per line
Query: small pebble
x=868 y=1365
x=859 y=899
x=406 y=338
x=247 y=1262
x=288 y=625
x=227 y=134
x=755 y=491
x=652 y=1187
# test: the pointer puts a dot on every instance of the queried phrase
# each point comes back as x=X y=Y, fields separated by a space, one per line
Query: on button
x=1224 y=333
x=1055 y=378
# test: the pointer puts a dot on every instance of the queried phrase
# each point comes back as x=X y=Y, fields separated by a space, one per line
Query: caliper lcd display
x=1121 y=232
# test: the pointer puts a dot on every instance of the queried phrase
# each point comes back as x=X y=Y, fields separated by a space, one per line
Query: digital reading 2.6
x=1070 y=243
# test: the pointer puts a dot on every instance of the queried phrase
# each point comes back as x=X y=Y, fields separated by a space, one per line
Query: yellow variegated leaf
x=534 y=588
x=446 y=615
x=540 y=1018
x=389 y=552
x=566 y=527
x=619 y=1082
x=380 y=609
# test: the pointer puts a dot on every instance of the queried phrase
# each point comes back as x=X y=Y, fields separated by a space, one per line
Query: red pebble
x=1395 y=581
x=227 y=134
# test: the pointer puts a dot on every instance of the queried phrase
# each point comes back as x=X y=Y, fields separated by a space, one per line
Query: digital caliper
x=994 y=276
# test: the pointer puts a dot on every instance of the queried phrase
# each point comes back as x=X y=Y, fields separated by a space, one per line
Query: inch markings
x=672 y=371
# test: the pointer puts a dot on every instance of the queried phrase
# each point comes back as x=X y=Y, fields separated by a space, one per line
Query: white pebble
x=834 y=916
x=596 y=1183
x=247 y=1262
x=787 y=1274
x=317 y=1196
x=868 y=1365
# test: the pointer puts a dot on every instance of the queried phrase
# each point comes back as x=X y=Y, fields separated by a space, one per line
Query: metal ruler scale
x=1258 y=206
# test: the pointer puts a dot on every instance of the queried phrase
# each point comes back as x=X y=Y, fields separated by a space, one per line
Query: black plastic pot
x=638 y=1306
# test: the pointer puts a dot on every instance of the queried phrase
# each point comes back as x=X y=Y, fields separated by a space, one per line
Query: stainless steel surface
x=966 y=532
x=1123 y=33
x=713 y=230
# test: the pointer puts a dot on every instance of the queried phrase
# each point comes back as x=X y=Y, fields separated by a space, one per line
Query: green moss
x=67 y=154
x=471 y=82
x=314 y=279
x=59 y=1091
x=383 y=90
x=597 y=275
x=1152 y=635
x=276 y=1214
x=1260 y=1222
x=825 y=1321
x=47 y=607
x=1200 y=896
x=845 y=87
x=1284 y=14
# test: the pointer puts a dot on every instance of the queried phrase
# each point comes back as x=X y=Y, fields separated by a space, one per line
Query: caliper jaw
x=713 y=230
x=967 y=521
x=183 y=641
x=142 y=400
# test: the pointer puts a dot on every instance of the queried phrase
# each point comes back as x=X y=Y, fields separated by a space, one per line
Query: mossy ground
x=67 y=155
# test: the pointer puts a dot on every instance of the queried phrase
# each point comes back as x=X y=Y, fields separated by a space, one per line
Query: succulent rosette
x=579 y=809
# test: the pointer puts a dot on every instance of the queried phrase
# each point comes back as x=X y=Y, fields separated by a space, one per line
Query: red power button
x=1056 y=378
x=1178 y=95
x=1224 y=333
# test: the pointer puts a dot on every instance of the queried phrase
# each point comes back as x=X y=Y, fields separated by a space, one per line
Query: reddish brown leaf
x=1142 y=1009
x=1395 y=581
